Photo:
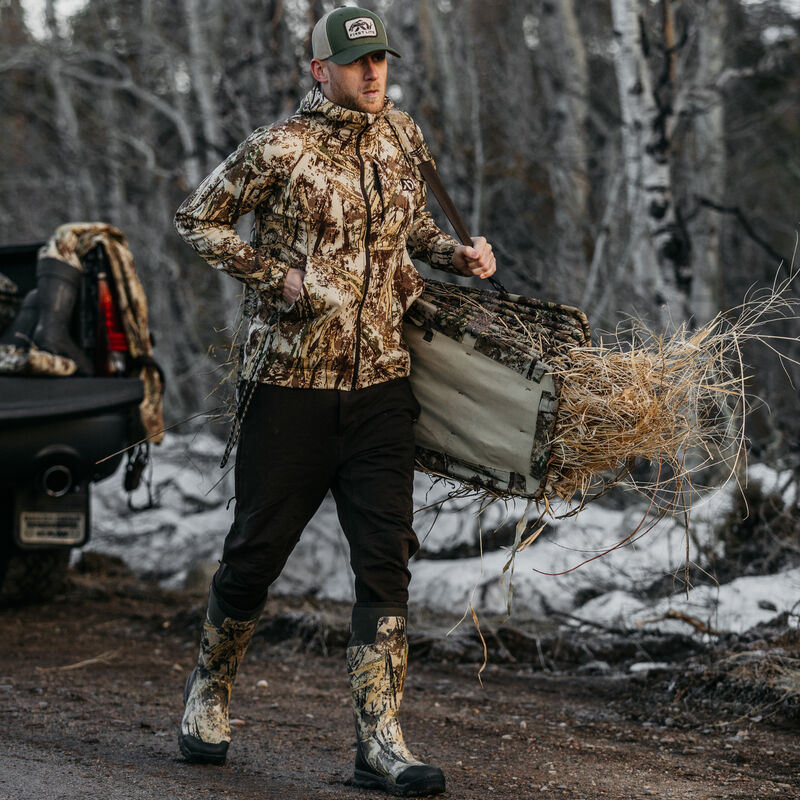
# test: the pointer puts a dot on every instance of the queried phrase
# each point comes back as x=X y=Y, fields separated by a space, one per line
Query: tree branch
x=745 y=223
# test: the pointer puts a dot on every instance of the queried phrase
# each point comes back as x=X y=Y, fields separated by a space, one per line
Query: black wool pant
x=295 y=445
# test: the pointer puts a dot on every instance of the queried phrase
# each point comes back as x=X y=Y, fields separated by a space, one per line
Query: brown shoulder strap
x=429 y=172
x=431 y=176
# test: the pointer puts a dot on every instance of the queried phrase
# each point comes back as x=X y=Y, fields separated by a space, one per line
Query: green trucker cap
x=345 y=34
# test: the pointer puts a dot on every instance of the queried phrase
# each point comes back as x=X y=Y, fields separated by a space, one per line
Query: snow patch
x=584 y=567
x=731 y=608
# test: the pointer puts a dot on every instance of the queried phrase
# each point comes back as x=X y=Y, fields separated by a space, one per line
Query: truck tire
x=31 y=576
x=28 y=576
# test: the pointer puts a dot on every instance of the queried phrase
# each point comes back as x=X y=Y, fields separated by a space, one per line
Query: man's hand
x=476 y=261
x=293 y=285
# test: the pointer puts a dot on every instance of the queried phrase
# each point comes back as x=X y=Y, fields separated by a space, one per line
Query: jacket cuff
x=268 y=276
x=442 y=256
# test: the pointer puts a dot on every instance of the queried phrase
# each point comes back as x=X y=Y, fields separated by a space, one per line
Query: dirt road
x=90 y=698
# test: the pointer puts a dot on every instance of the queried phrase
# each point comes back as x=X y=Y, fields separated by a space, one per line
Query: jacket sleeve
x=206 y=220
x=426 y=241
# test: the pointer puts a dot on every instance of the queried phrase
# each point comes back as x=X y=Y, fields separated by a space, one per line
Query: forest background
x=625 y=156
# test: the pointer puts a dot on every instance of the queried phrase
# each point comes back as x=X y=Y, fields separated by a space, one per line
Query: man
x=339 y=203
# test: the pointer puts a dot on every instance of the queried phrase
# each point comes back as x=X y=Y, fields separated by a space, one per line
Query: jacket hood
x=315 y=102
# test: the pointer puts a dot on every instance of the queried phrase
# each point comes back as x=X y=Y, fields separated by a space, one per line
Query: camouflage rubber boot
x=205 y=731
x=58 y=285
x=377 y=673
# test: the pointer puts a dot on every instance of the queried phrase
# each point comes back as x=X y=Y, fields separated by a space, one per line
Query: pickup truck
x=58 y=435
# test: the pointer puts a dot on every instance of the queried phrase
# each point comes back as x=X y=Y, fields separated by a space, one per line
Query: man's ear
x=319 y=69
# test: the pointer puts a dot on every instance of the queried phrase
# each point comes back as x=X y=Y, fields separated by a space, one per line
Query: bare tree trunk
x=708 y=176
x=200 y=63
x=116 y=207
x=565 y=85
x=629 y=64
x=476 y=129
x=438 y=57
x=599 y=256
x=263 y=84
x=82 y=196
x=451 y=117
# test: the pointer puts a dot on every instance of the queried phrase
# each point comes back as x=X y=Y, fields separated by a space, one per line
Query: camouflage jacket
x=336 y=193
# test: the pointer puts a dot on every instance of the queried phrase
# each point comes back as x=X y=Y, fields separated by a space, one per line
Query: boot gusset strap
x=220 y=609
x=368 y=617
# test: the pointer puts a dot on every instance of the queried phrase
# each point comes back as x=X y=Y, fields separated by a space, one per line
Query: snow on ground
x=736 y=606
x=560 y=572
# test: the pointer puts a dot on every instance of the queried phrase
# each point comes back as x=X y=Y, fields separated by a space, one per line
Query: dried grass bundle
x=645 y=398
x=642 y=396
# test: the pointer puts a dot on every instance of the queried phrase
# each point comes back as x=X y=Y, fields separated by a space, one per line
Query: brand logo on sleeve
x=407 y=184
x=360 y=27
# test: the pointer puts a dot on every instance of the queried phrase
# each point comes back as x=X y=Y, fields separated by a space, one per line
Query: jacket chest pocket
x=398 y=205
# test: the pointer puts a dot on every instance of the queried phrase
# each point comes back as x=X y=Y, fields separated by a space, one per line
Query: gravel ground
x=90 y=699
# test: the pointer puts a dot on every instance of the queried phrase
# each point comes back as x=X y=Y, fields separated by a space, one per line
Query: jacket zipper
x=367 y=265
x=377 y=178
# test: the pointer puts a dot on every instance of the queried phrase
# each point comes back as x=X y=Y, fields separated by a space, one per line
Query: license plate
x=52 y=527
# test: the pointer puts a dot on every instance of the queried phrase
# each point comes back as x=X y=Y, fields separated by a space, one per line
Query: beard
x=354 y=101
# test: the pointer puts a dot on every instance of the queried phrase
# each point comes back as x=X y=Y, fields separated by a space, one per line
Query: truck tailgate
x=35 y=398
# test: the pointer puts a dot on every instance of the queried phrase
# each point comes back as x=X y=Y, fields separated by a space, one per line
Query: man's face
x=360 y=85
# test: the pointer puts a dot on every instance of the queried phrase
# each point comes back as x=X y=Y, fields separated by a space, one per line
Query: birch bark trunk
x=660 y=253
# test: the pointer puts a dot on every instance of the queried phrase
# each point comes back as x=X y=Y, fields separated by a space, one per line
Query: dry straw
x=678 y=401
x=642 y=397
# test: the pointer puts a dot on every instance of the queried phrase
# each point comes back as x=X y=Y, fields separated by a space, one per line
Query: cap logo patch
x=360 y=27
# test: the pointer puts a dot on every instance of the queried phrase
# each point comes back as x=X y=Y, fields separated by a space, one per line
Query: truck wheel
x=31 y=576
x=28 y=576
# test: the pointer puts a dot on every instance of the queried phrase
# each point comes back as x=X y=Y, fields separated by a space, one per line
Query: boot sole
x=199 y=752
x=420 y=788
